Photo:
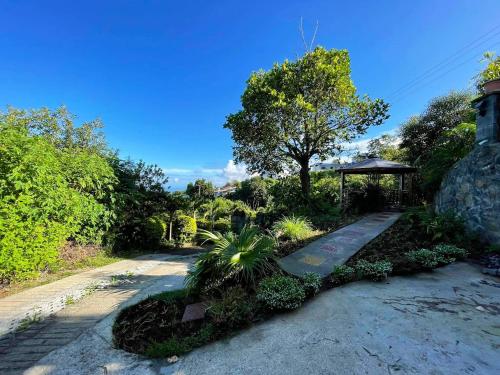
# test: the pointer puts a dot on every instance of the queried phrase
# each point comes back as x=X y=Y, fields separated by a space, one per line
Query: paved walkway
x=441 y=322
x=336 y=248
x=127 y=282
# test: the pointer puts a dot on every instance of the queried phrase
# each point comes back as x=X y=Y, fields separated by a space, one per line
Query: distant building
x=225 y=190
x=318 y=167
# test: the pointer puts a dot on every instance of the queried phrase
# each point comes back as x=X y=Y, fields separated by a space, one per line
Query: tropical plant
x=299 y=110
x=281 y=293
x=243 y=257
x=292 y=228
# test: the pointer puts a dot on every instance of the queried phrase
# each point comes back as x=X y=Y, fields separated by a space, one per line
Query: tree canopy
x=299 y=110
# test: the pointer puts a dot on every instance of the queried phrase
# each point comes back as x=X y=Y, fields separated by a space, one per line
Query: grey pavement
x=336 y=248
x=443 y=322
x=20 y=350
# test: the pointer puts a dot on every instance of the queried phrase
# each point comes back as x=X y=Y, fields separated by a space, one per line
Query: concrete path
x=444 y=322
x=125 y=281
x=42 y=301
x=336 y=248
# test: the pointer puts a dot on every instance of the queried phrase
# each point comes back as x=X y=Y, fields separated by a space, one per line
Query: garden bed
x=155 y=327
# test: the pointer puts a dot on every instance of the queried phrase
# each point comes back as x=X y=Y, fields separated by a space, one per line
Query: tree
x=254 y=192
x=299 y=110
x=200 y=192
x=385 y=147
x=419 y=134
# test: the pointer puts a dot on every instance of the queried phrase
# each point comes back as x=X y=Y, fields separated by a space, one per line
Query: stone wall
x=472 y=190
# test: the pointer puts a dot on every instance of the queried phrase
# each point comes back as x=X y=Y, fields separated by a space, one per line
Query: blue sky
x=163 y=75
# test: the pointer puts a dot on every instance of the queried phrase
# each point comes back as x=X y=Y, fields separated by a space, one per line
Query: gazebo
x=377 y=167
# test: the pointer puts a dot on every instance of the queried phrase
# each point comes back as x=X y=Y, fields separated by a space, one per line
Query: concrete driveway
x=444 y=322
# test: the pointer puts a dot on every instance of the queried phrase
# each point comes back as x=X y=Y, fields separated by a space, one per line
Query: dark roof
x=376 y=165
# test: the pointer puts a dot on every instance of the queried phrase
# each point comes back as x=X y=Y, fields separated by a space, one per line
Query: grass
x=64 y=270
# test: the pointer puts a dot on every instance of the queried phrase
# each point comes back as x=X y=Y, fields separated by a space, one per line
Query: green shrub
x=243 y=257
x=425 y=258
x=292 y=228
x=444 y=227
x=222 y=225
x=233 y=310
x=450 y=251
x=185 y=228
x=281 y=293
x=312 y=283
x=155 y=229
x=375 y=271
x=343 y=274
x=202 y=223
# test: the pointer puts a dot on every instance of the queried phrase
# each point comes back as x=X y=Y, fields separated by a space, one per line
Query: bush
x=222 y=225
x=281 y=293
x=425 y=258
x=155 y=229
x=450 y=252
x=376 y=271
x=233 y=310
x=185 y=228
x=242 y=258
x=312 y=283
x=292 y=228
x=202 y=223
x=444 y=227
x=343 y=274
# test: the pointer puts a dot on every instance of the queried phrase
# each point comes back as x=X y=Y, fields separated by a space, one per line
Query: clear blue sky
x=163 y=75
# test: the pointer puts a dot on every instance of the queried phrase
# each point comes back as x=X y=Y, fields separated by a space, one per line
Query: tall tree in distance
x=300 y=110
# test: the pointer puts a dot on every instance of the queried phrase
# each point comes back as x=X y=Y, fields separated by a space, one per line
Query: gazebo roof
x=376 y=166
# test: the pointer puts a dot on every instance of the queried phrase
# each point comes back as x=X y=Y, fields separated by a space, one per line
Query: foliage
x=281 y=293
x=385 y=147
x=155 y=229
x=243 y=257
x=44 y=198
x=492 y=70
x=299 y=110
x=185 y=228
x=222 y=225
x=311 y=282
x=233 y=310
x=140 y=194
x=375 y=271
x=292 y=228
x=343 y=274
x=420 y=134
x=452 y=146
x=254 y=192
x=425 y=258
x=445 y=227
x=450 y=251
x=200 y=192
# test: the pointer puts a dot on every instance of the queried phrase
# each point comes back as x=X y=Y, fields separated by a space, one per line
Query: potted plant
x=488 y=80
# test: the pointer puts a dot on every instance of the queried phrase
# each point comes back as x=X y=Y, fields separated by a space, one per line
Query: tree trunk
x=305 y=180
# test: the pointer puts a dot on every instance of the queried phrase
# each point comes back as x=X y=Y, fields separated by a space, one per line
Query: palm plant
x=243 y=257
x=293 y=228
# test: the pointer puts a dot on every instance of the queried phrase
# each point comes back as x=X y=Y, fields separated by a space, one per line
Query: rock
x=172 y=359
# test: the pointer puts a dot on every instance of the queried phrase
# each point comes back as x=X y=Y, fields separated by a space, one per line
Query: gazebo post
x=401 y=187
x=342 y=181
